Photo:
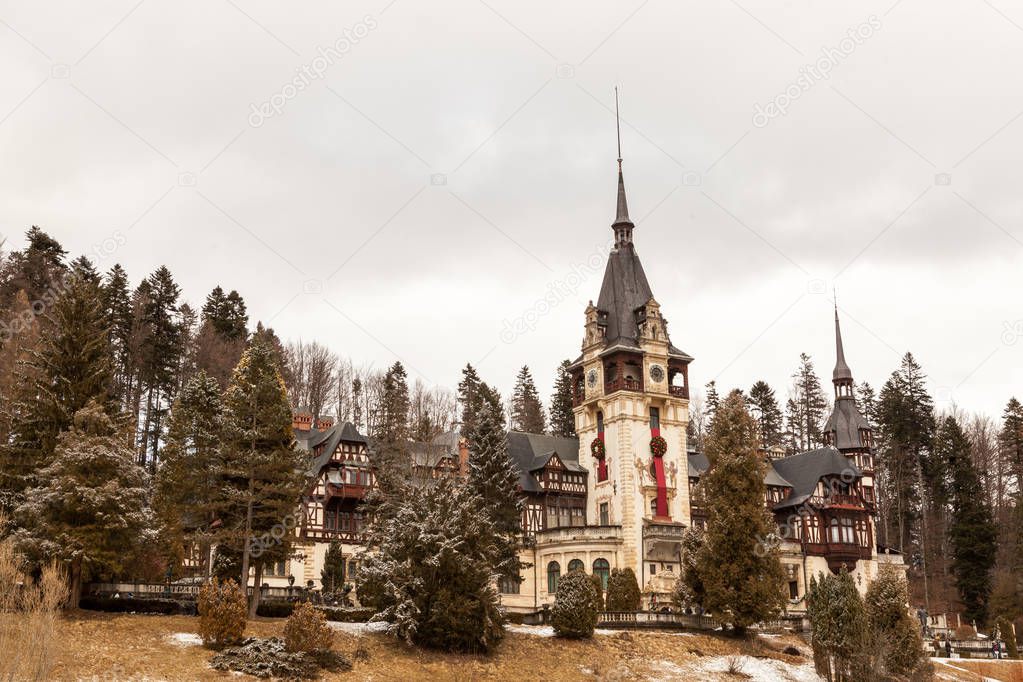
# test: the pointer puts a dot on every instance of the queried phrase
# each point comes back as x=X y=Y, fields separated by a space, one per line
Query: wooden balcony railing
x=623 y=385
x=678 y=391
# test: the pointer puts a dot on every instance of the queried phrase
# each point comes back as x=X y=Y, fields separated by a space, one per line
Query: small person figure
x=948 y=648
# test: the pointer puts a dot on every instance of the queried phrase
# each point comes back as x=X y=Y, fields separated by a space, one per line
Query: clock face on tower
x=657 y=373
x=591 y=378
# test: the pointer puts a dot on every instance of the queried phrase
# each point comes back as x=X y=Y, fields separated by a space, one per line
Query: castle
x=623 y=492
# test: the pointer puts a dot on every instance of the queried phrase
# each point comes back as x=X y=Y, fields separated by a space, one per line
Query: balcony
x=623 y=385
x=354 y=537
x=666 y=530
x=583 y=533
x=678 y=391
x=843 y=501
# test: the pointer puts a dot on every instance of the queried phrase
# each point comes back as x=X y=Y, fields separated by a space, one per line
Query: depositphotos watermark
x=558 y=291
x=325 y=58
x=811 y=74
x=22 y=321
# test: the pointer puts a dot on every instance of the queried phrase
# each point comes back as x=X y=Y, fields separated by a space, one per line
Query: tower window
x=604 y=520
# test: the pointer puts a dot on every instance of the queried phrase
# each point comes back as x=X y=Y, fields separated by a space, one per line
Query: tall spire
x=842 y=371
x=622 y=224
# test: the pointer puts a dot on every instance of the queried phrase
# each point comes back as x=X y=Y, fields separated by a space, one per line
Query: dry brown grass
x=125 y=647
x=1004 y=671
x=29 y=613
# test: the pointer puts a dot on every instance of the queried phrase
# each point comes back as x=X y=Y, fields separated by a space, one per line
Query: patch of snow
x=359 y=629
x=534 y=630
x=758 y=669
x=605 y=632
x=185 y=639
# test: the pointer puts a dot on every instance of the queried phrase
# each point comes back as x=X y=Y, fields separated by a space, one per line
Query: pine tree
x=866 y=400
x=188 y=481
x=764 y=407
x=357 y=403
x=906 y=419
x=1010 y=439
x=71 y=368
x=526 y=409
x=431 y=570
x=562 y=416
x=391 y=439
x=21 y=341
x=264 y=474
x=841 y=635
x=807 y=406
x=494 y=479
x=161 y=356
x=469 y=398
x=710 y=403
x=972 y=529
x=38 y=270
x=89 y=510
x=117 y=310
x=740 y=571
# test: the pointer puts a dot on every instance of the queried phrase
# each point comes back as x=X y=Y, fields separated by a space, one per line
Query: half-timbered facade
x=623 y=492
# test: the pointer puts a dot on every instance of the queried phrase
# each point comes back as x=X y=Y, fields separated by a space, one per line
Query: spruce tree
x=38 y=270
x=1010 y=439
x=332 y=577
x=117 y=310
x=711 y=402
x=738 y=566
x=562 y=416
x=808 y=405
x=526 y=409
x=89 y=509
x=764 y=407
x=21 y=342
x=188 y=481
x=161 y=355
x=905 y=415
x=264 y=474
x=972 y=531
x=393 y=463
x=469 y=398
x=494 y=479
x=431 y=570
x=71 y=368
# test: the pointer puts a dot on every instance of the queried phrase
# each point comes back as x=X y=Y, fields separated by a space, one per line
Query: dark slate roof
x=698 y=465
x=845 y=423
x=804 y=470
x=330 y=439
x=625 y=288
x=842 y=370
x=531 y=451
x=429 y=454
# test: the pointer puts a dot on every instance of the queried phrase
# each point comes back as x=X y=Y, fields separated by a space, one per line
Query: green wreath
x=598 y=449
x=658 y=446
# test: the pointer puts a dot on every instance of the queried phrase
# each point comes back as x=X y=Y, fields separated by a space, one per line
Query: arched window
x=602 y=570
x=834 y=534
x=576 y=565
x=553 y=573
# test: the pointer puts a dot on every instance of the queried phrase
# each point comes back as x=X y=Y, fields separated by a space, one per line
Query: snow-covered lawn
x=185 y=639
x=358 y=629
x=546 y=630
x=757 y=669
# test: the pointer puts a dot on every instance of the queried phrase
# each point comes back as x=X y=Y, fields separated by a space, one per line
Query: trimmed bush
x=307 y=630
x=623 y=591
x=275 y=608
x=598 y=593
x=574 y=613
x=222 y=614
x=344 y=615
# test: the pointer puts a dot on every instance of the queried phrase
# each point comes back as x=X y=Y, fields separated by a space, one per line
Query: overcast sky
x=400 y=180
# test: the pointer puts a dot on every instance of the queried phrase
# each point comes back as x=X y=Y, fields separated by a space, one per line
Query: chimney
x=325 y=423
x=463 y=456
x=302 y=421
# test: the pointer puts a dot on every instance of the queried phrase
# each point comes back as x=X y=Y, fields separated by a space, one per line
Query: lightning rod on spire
x=618 y=128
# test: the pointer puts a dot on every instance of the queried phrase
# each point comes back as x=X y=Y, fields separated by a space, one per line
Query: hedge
x=167 y=607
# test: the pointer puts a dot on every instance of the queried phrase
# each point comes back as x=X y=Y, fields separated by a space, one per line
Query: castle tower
x=847 y=429
x=631 y=397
